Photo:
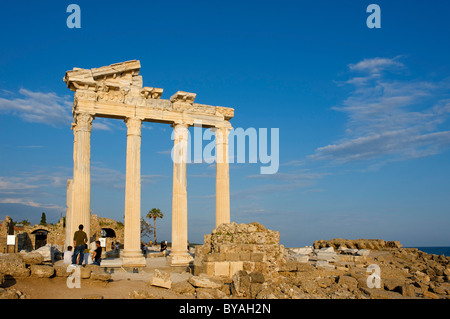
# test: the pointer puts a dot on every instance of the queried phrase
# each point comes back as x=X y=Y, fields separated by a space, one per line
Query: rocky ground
x=326 y=271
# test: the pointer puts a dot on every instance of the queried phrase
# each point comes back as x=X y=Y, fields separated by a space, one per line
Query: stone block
x=47 y=252
x=159 y=282
x=248 y=266
x=257 y=277
x=61 y=270
x=302 y=258
x=257 y=257
x=227 y=248
x=210 y=293
x=183 y=287
x=161 y=279
x=244 y=256
x=32 y=258
x=262 y=267
x=240 y=285
x=363 y=252
x=375 y=293
x=255 y=289
x=42 y=271
x=408 y=291
x=100 y=276
x=348 y=282
x=232 y=256
x=222 y=268
x=324 y=264
x=13 y=265
x=209 y=268
x=205 y=282
x=393 y=284
x=85 y=273
x=235 y=266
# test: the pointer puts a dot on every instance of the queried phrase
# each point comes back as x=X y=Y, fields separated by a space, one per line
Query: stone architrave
x=222 y=176
x=132 y=254
x=81 y=189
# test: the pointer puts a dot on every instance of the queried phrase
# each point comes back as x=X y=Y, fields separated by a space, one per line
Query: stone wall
x=56 y=233
x=234 y=247
x=5 y=229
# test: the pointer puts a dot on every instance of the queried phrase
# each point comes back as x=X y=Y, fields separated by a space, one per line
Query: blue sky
x=363 y=114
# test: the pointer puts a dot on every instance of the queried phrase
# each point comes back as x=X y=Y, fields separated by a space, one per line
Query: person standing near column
x=79 y=242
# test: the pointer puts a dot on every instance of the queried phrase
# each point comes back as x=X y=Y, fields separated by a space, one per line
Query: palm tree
x=154 y=213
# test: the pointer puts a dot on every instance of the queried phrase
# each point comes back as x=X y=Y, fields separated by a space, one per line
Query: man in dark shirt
x=97 y=255
x=79 y=241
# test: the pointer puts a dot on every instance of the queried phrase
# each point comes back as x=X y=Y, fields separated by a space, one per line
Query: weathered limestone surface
x=205 y=282
x=32 y=258
x=42 y=271
x=161 y=279
x=13 y=265
x=357 y=243
x=233 y=247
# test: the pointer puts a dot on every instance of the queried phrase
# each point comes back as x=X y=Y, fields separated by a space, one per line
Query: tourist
x=163 y=245
x=87 y=253
x=143 y=248
x=113 y=246
x=97 y=254
x=79 y=241
x=68 y=255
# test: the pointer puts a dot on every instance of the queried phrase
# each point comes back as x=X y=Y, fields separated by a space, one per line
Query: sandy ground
x=120 y=286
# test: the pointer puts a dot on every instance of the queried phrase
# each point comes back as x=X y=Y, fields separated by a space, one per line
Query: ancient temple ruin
x=116 y=91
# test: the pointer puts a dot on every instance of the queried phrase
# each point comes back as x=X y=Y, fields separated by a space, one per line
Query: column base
x=133 y=259
x=180 y=259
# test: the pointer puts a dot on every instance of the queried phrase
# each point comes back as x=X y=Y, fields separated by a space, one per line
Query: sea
x=435 y=250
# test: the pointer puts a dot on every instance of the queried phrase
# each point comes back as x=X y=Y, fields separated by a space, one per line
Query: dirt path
x=121 y=285
x=56 y=288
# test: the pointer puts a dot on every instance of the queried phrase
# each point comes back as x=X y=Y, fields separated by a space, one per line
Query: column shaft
x=68 y=220
x=81 y=193
x=132 y=254
x=222 y=177
x=179 y=254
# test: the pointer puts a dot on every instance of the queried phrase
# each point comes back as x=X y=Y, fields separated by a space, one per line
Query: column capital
x=134 y=125
x=180 y=124
x=83 y=122
x=221 y=133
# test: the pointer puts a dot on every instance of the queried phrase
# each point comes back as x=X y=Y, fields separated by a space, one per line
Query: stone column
x=81 y=189
x=179 y=254
x=132 y=254
x=68 y=238
x=222 y=176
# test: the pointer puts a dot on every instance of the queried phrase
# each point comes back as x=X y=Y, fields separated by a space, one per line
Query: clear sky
x=363 y=114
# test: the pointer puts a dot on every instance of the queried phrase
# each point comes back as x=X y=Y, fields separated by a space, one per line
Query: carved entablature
x=117 y=91
x=151 y=93
x=227 y=112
